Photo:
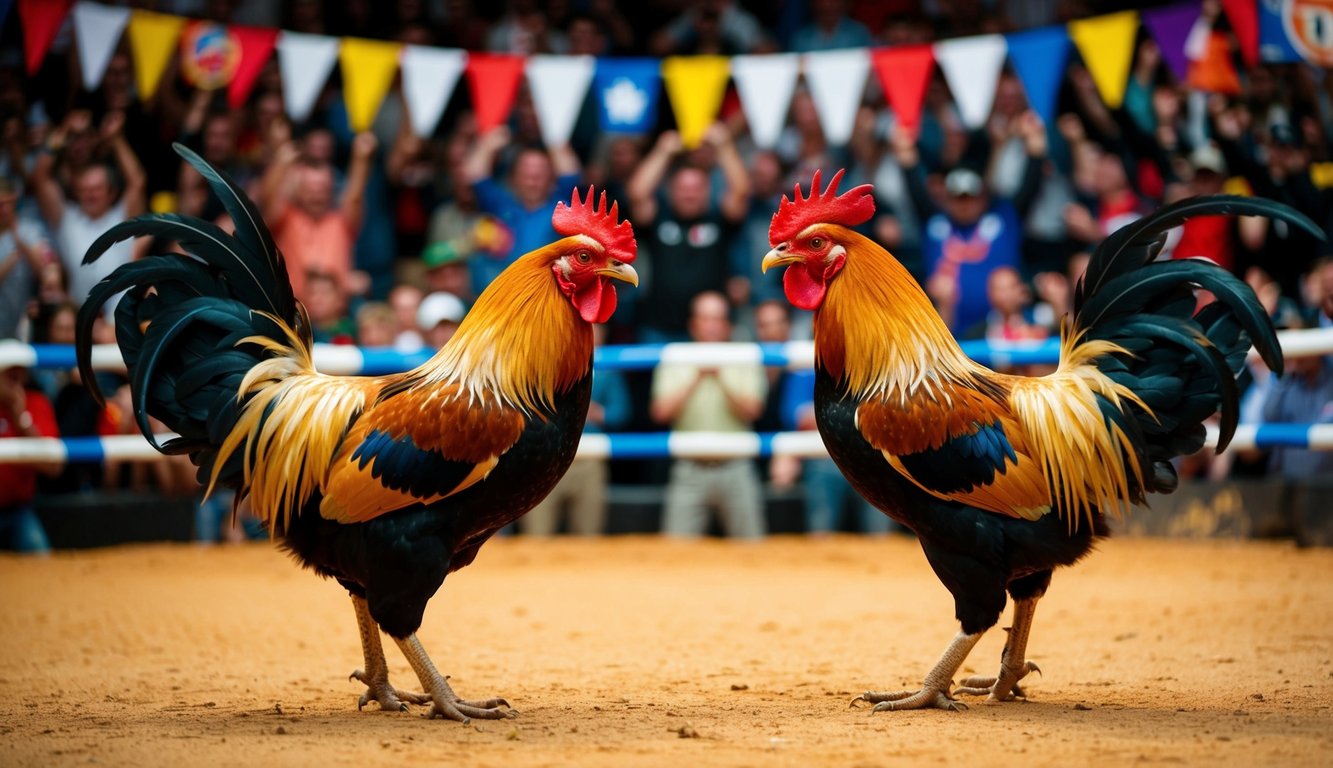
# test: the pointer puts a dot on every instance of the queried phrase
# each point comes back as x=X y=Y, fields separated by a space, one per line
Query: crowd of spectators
x=389 y=237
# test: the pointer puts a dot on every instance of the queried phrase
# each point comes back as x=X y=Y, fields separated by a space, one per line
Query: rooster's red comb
x=581 y=217
x=852 y=207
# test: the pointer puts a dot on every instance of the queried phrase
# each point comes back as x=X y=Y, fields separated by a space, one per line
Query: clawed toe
x=892 y=701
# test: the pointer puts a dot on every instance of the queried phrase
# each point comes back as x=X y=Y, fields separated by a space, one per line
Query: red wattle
x=596 y=301
x=804 y=290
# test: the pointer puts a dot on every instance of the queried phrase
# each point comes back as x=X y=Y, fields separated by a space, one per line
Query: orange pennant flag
x=152 y=42
x=368 y=67
x=695 y=85
x=1107 y=46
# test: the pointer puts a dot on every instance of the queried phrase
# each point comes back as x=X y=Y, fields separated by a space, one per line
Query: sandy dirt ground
x=637 y=651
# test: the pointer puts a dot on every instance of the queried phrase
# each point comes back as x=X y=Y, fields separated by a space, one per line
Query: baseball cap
x=1208 y=158
x=440 y=307
x=440 y=253
x=963 y=181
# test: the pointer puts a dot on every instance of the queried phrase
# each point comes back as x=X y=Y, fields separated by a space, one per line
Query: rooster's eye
x=584 y=257
x=816 y=243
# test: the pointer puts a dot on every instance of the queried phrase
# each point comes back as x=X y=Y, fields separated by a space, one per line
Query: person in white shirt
x=95 y=205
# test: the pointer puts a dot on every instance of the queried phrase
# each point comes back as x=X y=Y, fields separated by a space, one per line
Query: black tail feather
x=1181 y=361
x=182 y=319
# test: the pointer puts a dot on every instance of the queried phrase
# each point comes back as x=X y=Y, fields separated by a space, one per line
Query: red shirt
x=1207 y=236
x=18 y=482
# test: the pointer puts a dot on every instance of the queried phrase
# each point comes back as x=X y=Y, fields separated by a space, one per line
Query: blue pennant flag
x=1038 y=57
x=1274 y=42
x=627 y=92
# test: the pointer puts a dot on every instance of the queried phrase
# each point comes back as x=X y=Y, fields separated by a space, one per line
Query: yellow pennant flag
x=1107 y=46
x=695 y=85
x=152 y=43
x=368 y=67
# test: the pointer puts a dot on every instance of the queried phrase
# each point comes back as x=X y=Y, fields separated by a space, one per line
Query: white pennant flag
x=837 y=80
x=97 y=30
x=429 y=78
x=971 y=66
x=305 y=62
x=765 y=85
x=558 y=85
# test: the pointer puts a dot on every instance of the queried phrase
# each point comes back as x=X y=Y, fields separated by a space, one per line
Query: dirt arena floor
x=637 y=651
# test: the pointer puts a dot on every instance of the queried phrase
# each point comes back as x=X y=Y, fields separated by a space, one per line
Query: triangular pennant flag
x=971 y=66
x=97 y=30
x=256 y=45
x=1039 y=57
x=1170 y=26
x=559 y=84
x=837 y=80
x=765 y=85
x=494 y=79
x=368 y=67
x=152 y=41
x=695 y=85
x=429 y=78
x=1107 y=46
x=305 y=62
x=1244 y=18
x=904 y=72
x=1274 y=44
x=41 y=21
x=627 y=91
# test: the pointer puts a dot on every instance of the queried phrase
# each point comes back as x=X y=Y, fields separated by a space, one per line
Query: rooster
x=1005 y=478
x=386 y=484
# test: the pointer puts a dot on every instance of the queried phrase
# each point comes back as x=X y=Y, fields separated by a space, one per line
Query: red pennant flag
x=904 y=72
x=41 y=21
x=1244 y=18
x=494 y=80
x=256 y=45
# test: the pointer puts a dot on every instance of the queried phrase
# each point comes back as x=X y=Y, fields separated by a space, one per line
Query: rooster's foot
x=1001 y=688
x=926 y=698
x=450 y=707
x=390 y=699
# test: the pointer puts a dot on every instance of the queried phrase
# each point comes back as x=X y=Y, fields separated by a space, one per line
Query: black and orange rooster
x=386 y=484
x=1005 y=478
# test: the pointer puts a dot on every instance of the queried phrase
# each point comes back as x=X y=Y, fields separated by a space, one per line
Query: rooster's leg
x=1013 y=664
x=446 y=702
x=934 y=689
x=376 y=673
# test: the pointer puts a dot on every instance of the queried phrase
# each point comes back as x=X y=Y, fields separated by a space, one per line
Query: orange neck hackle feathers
x=582 y=217
x=853 y=207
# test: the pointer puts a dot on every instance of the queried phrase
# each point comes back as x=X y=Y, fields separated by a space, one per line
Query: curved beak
x=619 y=270
x=778 y=257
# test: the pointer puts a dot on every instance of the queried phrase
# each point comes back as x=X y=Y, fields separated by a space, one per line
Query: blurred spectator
x=447 y=270
x=404 y=300
x=687 y=232
x=524 y=30
x=23 y=254
x=327 y=303
x=830 y=28
x=538 y=180
x=973 y=232
x=1303 y=396
x=694 y=398
x=376 y=325
x=1012 y=316
x=581 y=493
x=438 y=317
x=24 y=412
x=315 y=231
x=710 y=27
x=100 y=198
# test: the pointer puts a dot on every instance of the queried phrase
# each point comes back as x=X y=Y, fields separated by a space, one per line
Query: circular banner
x=1309 y=27
x=209 y=55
